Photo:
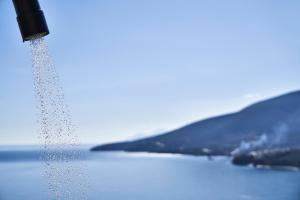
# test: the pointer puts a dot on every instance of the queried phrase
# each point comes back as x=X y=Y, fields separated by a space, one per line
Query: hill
x=276 y=120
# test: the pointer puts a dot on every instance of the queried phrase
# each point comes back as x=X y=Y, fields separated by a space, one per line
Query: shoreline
x=233 y=159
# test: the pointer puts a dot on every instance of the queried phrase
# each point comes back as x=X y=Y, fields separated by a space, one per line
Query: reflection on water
x=128 y=176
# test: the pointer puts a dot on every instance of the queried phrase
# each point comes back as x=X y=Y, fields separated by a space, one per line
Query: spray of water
x=60 y=143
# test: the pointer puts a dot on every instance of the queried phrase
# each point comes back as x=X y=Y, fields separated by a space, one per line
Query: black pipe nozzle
x=31 y=19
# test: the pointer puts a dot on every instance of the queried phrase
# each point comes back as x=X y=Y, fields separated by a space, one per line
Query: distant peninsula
x=275 y=121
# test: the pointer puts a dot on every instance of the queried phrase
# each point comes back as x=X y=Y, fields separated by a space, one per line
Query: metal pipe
x=31 y=19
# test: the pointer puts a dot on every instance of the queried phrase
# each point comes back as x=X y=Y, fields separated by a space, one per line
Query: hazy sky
x=137 y=67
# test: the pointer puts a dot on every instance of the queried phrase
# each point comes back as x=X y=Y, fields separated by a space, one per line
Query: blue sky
x=132 y=68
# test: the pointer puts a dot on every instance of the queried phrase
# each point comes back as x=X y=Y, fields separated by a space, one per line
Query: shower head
x=31 y=19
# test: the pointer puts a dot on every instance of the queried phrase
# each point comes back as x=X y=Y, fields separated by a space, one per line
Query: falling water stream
x=56 y=131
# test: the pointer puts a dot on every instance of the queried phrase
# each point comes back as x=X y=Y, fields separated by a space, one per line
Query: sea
x=146 y=176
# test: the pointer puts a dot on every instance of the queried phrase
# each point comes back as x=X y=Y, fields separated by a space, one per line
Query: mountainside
x=276 y=119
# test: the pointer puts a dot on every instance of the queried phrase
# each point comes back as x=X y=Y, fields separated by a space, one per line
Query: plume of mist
x=247 y=146
x=276 y=138
x=280 y=134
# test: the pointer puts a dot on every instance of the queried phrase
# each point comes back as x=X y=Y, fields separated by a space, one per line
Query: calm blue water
x=142 y=176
